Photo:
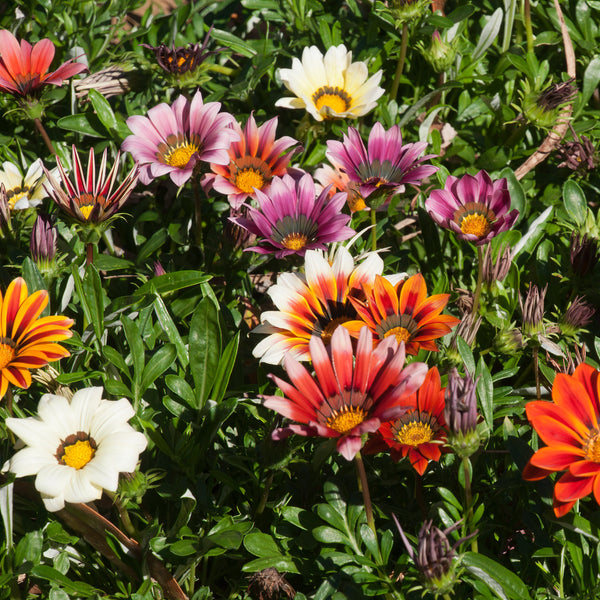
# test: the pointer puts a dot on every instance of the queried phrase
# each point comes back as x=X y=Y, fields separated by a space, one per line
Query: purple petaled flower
x=386 y=167
x=291 y=219
x=42 y=243
x=474 y=207
x=173 y=139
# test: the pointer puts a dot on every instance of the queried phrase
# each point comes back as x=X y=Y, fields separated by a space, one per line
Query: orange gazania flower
x=570 y=428
x=26 y=341
x=404 y=311
x=419 y=433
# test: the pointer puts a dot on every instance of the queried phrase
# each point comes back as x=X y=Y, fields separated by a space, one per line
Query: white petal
x=29 y=461
x=110 y=417
x=56 y=412
x=52 y=480
x=53 y=503
x=35 y=432
x=84 y=405
x=81 y=489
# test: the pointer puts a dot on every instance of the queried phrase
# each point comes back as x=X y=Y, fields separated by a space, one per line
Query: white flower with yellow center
x=76 y=449
x=23 y=191
x=330 y=86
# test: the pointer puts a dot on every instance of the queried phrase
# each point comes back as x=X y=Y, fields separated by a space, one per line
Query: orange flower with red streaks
x=26 y=340
x=403 y=310
x=570 y=428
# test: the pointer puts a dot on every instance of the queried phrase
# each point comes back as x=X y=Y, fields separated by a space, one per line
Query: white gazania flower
x=23 y=191
x=76 y=449
x=330 y=87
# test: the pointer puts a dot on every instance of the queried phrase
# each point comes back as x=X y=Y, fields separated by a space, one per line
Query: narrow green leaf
x=171 y=282
x=485 y=392
x=116 y=358
x=92 y=288
x=279 y=562
x=370 y=541
x=182 y=388
x=488 y=34
x=170 y=329
x=34 y=280
x=117 y=388
x=157 y=239
x=466 y=354
x=533 y=235
x=225 y=368
x=159 y=362
x=103 y=109
x=82 y=123
x=136 y=349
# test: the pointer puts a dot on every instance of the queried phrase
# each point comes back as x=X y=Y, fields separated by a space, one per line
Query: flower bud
x=532 y=309
x=578 y=155
x=508 y=341
x=42 y=244
x=496 y=271
x=440 y=54
x=4 y=210
x=584 y=253
x=577 y=316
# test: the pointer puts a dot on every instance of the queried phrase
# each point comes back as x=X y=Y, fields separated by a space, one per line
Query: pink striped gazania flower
x=24 y=68
x=340 y=182
x=174 y=139
x=349 y=395
x=290 y=219
x=253 y=162
x=474 y=207
x=385 y=167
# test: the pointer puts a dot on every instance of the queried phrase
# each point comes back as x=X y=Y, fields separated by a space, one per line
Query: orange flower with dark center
x=27 y=341
x=570 y=428
x=403 y=311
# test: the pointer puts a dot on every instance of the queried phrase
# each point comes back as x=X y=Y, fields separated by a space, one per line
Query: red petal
x=569 y=488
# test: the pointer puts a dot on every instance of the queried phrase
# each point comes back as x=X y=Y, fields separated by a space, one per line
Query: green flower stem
x=42 y=131
x=123 y=514
x=197 y=211
x=401 y=61
x=373 y=230
x=363 y=484
x=528 y=27
x=468 y=501
x=446 y=597
x=479 y=281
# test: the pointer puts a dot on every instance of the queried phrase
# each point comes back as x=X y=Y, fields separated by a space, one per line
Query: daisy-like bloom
x=340 y=182
x=76 y=449
x=24 y=68
x=386 y=166
x=173 y=139
x=254 y=161
x=403 y=311
x=419 y=433
x=290 y=219
x=315 y=303
x=570 y=428
x=330 y=87
x=90 y=199
x=23 y=191
x=474 y=207
x=27 y=341
x=347 y=397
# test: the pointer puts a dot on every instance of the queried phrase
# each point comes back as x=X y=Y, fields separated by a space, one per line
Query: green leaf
x=29 y=548
x=233 y=43
x=536 y=230
x=116 y=358
x=82 y=123
x=226 y=363
x=591 y=79
x=74 y=587
x=329 y=535
x=485 y=392
x=159 y=362
x=488 y=34
x=34 y=280
x=103 y=109
x=157 y=239
x=181 y=388
x=164 y=318
x=368 y=537
x=261 y=544
x=171 y=282
x=575 y=201
x=136 y=350
x=117 y=388
x=517 y=195
x=466 y=354
x=279 y=562
x=92 y=289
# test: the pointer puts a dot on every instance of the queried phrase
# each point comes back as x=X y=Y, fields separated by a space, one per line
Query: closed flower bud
x=532 y=309
x=440 y=54
x=584 y=253
x=577 y=316
x=509 y=341
x=543 y=108
x=43 y=241
x=498 y=270
x=4 y=210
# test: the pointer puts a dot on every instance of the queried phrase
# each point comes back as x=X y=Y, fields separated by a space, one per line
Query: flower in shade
x=330 y=86
x=420 y=432
x=385 y=166
x=474 y=207
x=26 y=340
x=340 y=182
x=90 y=198
x=403 y=311
x=174 y=139
x=347 y=397
x=24 y=68
x=291 y=219
x=313 y=303
x=23 y=191
x=570 y=428
x=76 y=449
x=42 y=243
x=253 y=162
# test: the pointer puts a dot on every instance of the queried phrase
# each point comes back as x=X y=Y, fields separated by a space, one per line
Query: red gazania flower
x=26 y=341
x=403 y=311
x=347 y=397
x=419 y=433
x=24 y=68
x=570 y=428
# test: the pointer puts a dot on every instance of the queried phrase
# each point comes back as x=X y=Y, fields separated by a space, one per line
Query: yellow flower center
x=7 y=351
x=475 y=224
x=402 y=334
x=14 y=195
x=348 y=419
x=248 y=179
x=180 y=157
x=79 y=454
x=592 y=446
x=294 y=241
x=333 y=99
x=415 y=434
x=356 y=203
x=331 y=327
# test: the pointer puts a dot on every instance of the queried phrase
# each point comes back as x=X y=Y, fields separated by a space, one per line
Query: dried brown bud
x=269 y=584
x=578 y=315
x=584 y=253
x=578 y=155
x=532 y=309
x=570 y=363
x=557 y=94
x=493 y=272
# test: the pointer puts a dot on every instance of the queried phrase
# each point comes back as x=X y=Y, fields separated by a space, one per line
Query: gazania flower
x=27 y=341
x=403 y=311
x=315 y=303
x=254 y=161
x=173 y=139
x=23 y=191
x=91 y=199
x=420 y=432
x=386 y=166
x=474 y=207
x=24 y=68
x=570 y=428
x=289 y=220
x=338 y=181
x=76 y=449
x=330 y=87
x=346 y=398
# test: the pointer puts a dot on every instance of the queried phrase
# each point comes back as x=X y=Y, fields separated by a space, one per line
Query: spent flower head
x=583 y=253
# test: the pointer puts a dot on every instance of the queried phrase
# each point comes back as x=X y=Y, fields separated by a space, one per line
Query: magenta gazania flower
x=24 y=68
x=291 y=219
x=386 y=166
x=173 y=139
x=474 y=207
x=350 y=394
x=253 y=162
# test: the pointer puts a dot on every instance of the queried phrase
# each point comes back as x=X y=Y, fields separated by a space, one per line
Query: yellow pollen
x=330 y=328
x=356 y=203
x=7 y=353
x=180 y=157
x=86 y=210
x=248 y=179
x=348 y=419
x=294 y=241
x=334 y=98
x=78 y=455
x=592 y=446
x=475 y=224
x=402 y=334
x=415 y=434
x=17 y=194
